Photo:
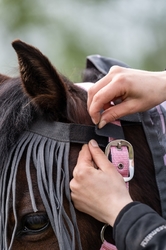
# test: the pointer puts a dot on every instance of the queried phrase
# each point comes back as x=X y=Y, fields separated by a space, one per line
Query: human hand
x=131 y=90
x=97 y=188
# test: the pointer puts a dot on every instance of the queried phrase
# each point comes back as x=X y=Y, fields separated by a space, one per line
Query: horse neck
x=143 y=186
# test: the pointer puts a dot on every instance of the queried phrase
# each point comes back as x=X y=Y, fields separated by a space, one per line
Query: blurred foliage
x=29 y=19
x=69 y=30
x=18 y=14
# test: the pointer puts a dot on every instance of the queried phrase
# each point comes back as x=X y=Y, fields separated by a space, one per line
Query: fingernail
x=94 y=143
x=93 y=120
x=96 y=120
x=102 y=123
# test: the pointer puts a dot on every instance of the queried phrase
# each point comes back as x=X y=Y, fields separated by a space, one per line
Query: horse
x=37 y=161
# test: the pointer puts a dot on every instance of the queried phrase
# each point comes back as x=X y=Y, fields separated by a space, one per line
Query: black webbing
x=68 y=132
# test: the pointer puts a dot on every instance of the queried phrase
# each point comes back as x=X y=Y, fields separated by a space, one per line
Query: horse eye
x=34 y=223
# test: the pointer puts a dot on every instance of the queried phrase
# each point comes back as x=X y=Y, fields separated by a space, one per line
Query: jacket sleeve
x=139 y=227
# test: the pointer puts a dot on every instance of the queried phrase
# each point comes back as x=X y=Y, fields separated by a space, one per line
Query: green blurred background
x=69 y=30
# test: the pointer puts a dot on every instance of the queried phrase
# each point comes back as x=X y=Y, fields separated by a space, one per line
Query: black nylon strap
x=68 y=132
x=111 y=130
x=79 y=133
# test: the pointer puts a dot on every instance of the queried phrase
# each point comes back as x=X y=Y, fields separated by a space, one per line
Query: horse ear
x=41 y=81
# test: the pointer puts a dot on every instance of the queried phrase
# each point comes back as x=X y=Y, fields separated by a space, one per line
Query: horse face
x=34 y=229
x=55 y=99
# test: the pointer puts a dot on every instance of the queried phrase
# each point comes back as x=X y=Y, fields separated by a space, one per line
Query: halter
x=122 y=157
x=119 y=151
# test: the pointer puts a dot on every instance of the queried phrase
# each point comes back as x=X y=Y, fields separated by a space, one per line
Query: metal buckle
x=103 y=231
x=119 y=144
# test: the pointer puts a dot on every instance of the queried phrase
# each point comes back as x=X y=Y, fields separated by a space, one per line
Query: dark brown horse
x=36 y=211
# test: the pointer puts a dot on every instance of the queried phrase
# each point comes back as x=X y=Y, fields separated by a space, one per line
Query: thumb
x=84 y=156
x=99 y=158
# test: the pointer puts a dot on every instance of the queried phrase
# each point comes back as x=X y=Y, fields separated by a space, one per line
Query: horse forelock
x=16 y=114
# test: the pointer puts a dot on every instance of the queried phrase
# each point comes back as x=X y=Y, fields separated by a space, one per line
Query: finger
x=93 y=91
x=99 y=157
x=97 y=86
x=84 y=155
x=113 y=113
x=84 y=160
x=114 y=70
x=102 y=99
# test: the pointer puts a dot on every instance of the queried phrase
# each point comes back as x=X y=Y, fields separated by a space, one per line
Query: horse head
x=37 y=110
x=39 y=212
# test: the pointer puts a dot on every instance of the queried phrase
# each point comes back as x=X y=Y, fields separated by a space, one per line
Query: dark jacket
x=139 y=227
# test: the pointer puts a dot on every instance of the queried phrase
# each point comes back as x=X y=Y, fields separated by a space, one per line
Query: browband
x=78 y=133
x=67 y=132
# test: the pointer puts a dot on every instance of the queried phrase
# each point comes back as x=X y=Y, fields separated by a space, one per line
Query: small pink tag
x=107 y=246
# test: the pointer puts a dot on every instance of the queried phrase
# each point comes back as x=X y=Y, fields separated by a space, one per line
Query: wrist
x=116 y=209
x=161 y=85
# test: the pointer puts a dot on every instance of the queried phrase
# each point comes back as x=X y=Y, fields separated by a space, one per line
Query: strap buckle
x=119 y=144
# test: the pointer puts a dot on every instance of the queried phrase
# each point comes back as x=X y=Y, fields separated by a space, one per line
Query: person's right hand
x=97 y=188
x=131 y=91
